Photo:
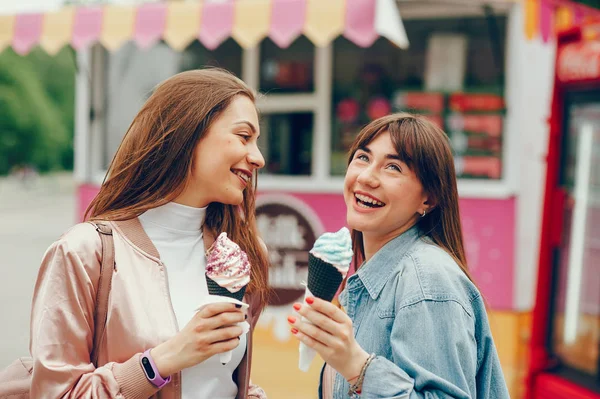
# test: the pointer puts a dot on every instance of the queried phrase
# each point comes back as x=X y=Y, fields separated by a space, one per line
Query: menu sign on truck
x=289 y=228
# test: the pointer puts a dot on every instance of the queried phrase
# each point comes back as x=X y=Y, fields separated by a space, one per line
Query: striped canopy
x=546 y=18
x=211 y=22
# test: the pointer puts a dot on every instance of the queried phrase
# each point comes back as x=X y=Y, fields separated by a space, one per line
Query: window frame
x=318 y=102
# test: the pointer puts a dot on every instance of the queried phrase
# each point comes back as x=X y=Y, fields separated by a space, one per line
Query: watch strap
x=151 y=371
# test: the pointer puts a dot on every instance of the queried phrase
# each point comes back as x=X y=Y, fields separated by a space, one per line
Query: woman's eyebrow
x=393 y=156
x=387 y=156
x=249 y=124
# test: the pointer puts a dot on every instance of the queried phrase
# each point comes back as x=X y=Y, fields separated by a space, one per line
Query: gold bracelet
x=355 y=389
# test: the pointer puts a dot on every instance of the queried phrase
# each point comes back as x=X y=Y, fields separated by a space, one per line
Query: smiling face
x=225 y=158
x=384 y=198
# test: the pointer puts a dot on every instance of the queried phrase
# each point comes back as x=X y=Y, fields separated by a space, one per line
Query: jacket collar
x=376 y=272
x=133 y=231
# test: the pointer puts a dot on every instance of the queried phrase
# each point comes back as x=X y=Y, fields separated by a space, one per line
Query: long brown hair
x=155 y=157
x=424 y=148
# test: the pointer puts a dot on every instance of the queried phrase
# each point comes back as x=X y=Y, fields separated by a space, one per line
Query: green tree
x=37 y=95
x=591 y=3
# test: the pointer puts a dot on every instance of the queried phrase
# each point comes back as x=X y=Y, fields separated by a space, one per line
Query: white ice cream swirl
x=335 y=248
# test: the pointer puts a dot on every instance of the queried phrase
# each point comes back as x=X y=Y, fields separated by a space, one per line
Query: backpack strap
x=107 y=266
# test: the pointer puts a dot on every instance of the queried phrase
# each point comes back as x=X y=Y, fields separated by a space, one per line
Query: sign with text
x=578 y=61
x=289 y=228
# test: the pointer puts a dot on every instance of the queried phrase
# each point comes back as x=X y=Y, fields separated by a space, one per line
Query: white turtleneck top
x=175 y=231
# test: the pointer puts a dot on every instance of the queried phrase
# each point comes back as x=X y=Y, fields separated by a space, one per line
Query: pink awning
x=211 y=22
x=546 y=18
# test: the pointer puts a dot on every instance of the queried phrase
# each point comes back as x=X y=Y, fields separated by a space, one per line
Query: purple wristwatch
x=151 y=371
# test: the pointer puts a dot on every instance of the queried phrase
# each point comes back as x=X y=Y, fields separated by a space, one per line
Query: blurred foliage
x=591 y=3
x=37 y=100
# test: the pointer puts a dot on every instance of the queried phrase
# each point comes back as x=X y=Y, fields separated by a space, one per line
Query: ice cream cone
x=328 y=263
x=216 y=289
x=324 y=279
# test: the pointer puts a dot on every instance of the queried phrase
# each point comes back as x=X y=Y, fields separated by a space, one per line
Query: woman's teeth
x=244 y=176
x=367 y=202
x=363 y=205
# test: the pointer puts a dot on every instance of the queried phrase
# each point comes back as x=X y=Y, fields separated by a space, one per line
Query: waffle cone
x=324 y=279
x=215 y=289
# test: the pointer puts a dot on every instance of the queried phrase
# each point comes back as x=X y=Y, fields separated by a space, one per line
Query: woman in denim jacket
x=414 y=325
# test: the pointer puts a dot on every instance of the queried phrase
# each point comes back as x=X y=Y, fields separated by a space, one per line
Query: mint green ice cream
x=335 y=248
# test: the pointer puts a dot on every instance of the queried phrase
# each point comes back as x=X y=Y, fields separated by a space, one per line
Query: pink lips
x=361 y=209
x=245 y=172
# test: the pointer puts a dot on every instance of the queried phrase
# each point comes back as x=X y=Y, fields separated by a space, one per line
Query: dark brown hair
x=424 y=148
x=155 y=157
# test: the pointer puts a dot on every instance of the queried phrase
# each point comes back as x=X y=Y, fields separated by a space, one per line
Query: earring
x=423 y=215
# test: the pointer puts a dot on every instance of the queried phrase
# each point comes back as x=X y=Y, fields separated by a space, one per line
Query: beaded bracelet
x=355 y=389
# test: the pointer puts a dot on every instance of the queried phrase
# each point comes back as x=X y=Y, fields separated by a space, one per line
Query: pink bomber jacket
x=140 y=316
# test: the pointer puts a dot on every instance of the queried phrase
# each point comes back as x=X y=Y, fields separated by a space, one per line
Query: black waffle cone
x=324 y=279
x=216 y=289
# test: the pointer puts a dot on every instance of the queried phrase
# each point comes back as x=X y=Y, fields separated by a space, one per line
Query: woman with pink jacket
x=184 y=173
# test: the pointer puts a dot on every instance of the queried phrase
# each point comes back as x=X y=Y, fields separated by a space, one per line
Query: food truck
x=565 y=342
x=481 y=69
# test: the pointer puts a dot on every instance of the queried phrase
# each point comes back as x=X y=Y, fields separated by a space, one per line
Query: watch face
x=148 y=368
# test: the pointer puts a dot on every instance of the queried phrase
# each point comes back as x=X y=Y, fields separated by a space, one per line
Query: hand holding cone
x=227 y=274
x=328 y=264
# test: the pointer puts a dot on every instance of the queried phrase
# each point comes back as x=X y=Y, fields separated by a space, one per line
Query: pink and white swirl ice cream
x=227 y=268
x=227 y=276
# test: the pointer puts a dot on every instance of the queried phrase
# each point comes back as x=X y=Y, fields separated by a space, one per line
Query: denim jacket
x=413 y=307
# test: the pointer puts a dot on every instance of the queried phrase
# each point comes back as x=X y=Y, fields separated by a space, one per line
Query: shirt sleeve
x=434 y=352
x=62 y=330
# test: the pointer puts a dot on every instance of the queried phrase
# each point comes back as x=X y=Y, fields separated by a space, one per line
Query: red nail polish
x=310 y=300
x=297 y=306
x=294 y=331
x=291 y=319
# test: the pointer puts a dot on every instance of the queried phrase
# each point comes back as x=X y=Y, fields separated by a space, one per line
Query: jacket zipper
x=175 y=322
